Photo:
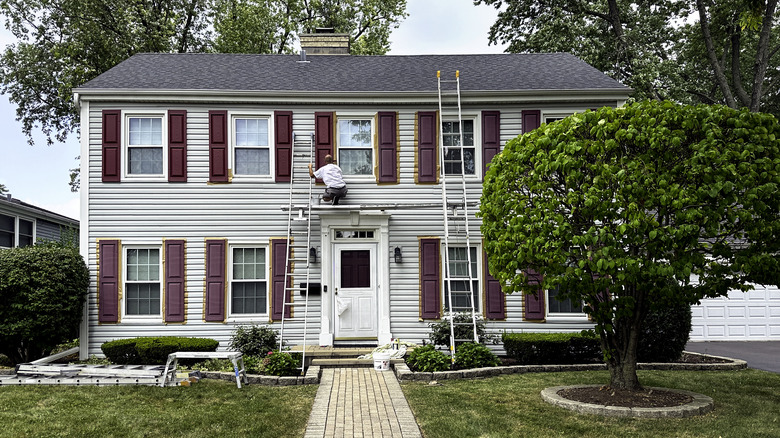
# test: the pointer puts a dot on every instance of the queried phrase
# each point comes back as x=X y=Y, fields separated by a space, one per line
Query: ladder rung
x=465 y=340
x=300 y=192
x=299 y=233
x=301 y=155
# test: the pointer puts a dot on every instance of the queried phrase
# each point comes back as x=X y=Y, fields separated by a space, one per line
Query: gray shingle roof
x=493 y=72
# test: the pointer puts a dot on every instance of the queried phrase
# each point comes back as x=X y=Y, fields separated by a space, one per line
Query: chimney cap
x=324 y=30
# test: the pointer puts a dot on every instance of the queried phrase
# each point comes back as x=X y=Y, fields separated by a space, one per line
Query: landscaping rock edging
x=700 y=405
x=403 y=373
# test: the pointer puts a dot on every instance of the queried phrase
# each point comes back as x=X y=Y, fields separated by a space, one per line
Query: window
x=458 y=268
x=248 y=286
x=16 y=232
x=454 y=150
x=252 y=154
x=562 y=306
x=355 y=146
x=142 y=284
x=145 y=146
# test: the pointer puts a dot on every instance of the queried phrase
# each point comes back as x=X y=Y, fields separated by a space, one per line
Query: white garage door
x=752 y=316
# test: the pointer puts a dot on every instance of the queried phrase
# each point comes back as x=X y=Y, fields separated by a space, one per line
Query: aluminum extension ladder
x=460 y=224
x=297 y=260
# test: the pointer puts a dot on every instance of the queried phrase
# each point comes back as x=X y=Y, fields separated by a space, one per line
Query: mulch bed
x=644 y=398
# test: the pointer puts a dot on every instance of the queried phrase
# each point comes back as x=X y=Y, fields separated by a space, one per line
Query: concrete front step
x=331 y=352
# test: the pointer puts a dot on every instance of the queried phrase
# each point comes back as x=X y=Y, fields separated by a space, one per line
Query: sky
x=39 y=174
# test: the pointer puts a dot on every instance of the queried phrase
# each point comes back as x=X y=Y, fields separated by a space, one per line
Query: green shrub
x=254 y=340
x=440 y=330
x=152 y=351
x=121 y=351
x=552 y=348
x=42 y=294
x=665 y=331
x=281 y=364
x=427 y=359
x=471 y=355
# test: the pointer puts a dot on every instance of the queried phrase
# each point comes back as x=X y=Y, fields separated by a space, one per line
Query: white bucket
x=381 y=361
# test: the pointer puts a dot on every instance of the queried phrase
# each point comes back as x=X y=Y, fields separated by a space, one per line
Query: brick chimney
x=325 y=42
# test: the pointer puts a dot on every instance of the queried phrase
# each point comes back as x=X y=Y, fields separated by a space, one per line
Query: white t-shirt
x=330 y=174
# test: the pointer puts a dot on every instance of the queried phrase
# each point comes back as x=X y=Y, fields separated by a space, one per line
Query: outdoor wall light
x=397 y=254
x=312 y=255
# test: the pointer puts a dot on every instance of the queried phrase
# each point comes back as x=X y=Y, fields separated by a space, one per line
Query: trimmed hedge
x=153 y=351
x=552 y=348
x=665 y=331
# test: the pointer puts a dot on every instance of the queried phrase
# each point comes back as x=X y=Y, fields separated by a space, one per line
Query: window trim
x=243 y=317
x=123 y=282
x=478 y=291
x=371 y=117
x=476 y=120
x=557 y=115
x=16 y=219
x=125 y=155
x=233 y=116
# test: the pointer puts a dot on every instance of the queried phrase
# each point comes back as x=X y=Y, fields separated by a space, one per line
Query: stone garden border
x=700 y=405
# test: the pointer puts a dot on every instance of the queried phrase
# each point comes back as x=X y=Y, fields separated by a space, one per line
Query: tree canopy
x=62 y=44
x=623 y=208
x=692 y=52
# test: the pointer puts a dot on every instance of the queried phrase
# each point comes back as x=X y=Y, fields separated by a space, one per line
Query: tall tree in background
x=661 y=49
x=62 y=44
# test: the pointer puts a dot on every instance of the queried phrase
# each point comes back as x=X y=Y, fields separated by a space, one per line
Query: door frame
x=377 y=221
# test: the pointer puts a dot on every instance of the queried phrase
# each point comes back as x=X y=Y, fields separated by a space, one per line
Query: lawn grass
x=747 y=404
x=209 y=408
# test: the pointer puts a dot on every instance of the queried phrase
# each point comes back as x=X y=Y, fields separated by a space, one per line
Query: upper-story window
x=251 y=151
x=355 y=146
x=16 y=232
x=142 y=282
x=456 y=149
x=145 y=152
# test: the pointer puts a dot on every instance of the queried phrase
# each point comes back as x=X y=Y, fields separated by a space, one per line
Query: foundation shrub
x=440 y=330
x=254 y=340
x=281 y=364
x=665 y=331
x=153 y=351
x=427 y=359
x=472 y=355
x=552 y=348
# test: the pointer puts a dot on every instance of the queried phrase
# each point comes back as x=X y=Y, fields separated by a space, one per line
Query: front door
x=355 y=291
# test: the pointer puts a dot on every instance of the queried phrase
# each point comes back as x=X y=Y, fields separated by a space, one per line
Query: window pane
x=249 y=264
x=252 y=161
x=143 y=265
x=143 y=299
x=562 y=305
x=145 y=131
x=356 y=161
x=251 y=132
x=146 y=161
x=455 y=154
x=458 y=267
x=355 y=133
x=7 y=223
x=248 y=297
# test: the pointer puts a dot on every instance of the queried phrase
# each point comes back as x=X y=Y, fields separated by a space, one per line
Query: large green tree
x=62 y=44
x=625 y=208
x=661 y=49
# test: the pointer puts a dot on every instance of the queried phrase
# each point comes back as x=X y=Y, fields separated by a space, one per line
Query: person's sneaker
x=326 y=198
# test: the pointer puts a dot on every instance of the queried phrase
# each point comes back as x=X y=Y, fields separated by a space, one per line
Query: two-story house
x=186 y=168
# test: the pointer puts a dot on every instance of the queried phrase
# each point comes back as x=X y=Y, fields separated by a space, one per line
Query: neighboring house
x=185 y=167
x=22 y=224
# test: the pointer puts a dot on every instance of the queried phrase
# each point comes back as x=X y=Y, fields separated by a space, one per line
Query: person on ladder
x=331 y=175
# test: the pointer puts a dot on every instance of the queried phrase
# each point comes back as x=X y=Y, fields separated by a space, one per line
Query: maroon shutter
x=426 y=147
x=323 y=138
x=278 y=256
x=112 y=145
x=108 y=280
x=534 y=305
x=174 y=280
x=491 y=137
x=387 y=147
x=495 y=299
x=177 y=145
x=283 y=145
x=218 y=146
x=531 y=120
x=430 y=279
x=216 y=280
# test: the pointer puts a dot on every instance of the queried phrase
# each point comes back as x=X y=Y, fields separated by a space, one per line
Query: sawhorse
x=234 y=356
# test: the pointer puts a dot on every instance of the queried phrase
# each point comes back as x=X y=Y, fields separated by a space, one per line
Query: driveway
x=761 y=355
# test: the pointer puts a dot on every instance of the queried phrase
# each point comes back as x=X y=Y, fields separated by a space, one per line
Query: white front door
x=355 y=298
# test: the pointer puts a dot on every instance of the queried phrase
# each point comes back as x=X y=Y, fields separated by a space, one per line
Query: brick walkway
x=360 y=402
